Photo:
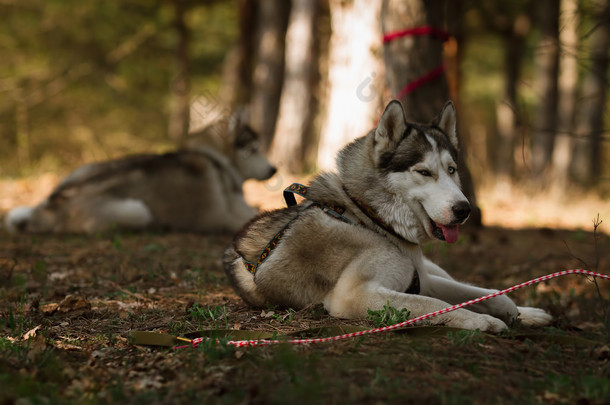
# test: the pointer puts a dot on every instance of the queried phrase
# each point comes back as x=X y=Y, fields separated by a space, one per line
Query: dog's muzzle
x=461 y=211
x=449 y=232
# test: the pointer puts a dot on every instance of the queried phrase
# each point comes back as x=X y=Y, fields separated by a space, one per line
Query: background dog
x=197 y=188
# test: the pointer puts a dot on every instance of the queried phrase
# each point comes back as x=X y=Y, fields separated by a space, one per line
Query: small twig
x=596 y=223
x=585 y=264
x=131 y=294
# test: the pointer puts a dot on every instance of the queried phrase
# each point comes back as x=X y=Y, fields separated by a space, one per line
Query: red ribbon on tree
x=431 y=75
x=417 y=31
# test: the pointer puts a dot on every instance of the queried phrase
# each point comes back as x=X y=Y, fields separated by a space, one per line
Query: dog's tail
x=241 y=279
x=18 y=219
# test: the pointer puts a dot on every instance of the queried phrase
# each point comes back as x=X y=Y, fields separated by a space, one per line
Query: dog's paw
x=490 y=324
x=530 y=316
x=482 y=322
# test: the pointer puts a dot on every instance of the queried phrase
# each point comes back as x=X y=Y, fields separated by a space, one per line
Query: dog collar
x=300 y=189
x=373 y=216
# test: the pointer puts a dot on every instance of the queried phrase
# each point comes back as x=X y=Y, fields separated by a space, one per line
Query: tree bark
x=237 y=66
x=295 y=113
x=180 y=84
x=513 y=37
x=267 y=77
x=586 y=166
x=355 y=76
x=412 y=57
x=546 y=88
x=568 y=91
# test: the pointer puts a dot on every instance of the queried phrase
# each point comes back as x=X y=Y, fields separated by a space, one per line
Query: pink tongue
x=450 y=232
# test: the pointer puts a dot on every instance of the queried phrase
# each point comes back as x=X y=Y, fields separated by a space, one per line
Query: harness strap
x=290 y=191
x=297 y=188
x=334 y=211
x=415 y=286
x=272 y=244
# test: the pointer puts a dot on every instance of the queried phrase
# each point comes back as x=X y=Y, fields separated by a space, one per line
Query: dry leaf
x=49 y=309
x=265 y=314
x=31 y=333
x=73 y=303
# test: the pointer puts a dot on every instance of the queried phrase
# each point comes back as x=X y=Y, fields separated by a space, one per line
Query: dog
x=196 y=188
x=354 y=243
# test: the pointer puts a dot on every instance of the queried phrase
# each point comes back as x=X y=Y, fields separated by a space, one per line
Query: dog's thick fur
x=407 y=174
x=197 y=188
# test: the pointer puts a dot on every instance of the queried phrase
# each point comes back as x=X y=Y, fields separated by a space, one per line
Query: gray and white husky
x=198 y=188
x=353 y=244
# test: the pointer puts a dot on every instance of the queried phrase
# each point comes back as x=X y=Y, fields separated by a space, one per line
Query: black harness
x=333 y=211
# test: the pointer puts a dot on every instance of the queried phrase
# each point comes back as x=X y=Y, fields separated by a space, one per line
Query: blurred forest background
x=90 y=80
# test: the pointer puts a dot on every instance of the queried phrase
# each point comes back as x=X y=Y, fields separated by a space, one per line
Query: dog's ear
x=390 y=129
x=245 y=136
x=239 y=118
x=447 y=122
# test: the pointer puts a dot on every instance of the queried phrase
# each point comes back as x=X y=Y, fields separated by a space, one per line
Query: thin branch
x=72 y=75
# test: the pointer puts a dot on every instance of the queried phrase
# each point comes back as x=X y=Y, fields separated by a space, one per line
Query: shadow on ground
x=68 y=304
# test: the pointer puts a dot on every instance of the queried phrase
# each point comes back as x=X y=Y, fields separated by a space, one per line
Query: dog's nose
x=461 y=210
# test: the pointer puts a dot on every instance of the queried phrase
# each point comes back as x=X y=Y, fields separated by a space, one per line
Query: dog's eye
x=451 y=169
x=424 y=173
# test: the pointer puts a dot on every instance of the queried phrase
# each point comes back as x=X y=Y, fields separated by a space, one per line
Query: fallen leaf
x=49 y=309
x=31 y=333
x=148 y=382
x=267 y=314
x=73 y=303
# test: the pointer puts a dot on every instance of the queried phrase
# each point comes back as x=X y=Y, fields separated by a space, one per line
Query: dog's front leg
x=353 y=300
x=437 y=283
x=455 y=292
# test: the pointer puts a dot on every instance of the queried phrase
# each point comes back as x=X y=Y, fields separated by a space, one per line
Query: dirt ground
x=69 y=303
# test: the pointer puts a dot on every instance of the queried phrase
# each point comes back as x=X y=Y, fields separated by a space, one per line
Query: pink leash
x=264 y=342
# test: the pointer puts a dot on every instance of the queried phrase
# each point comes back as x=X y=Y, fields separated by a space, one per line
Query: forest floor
x=69 y=303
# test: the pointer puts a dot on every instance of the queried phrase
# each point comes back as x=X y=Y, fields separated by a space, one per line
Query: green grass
x=388 y=316
x=214 y=315
x=465 y=337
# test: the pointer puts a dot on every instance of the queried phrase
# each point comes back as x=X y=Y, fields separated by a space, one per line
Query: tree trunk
x=355 y=76
x=545 y=87
x=586 y=166
x=410 y=58
x=22 y=134
x=506 y=112
x=568 y=88
x=180 y=84
x=295 y=113
x=237 y=66
x=267 y=78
